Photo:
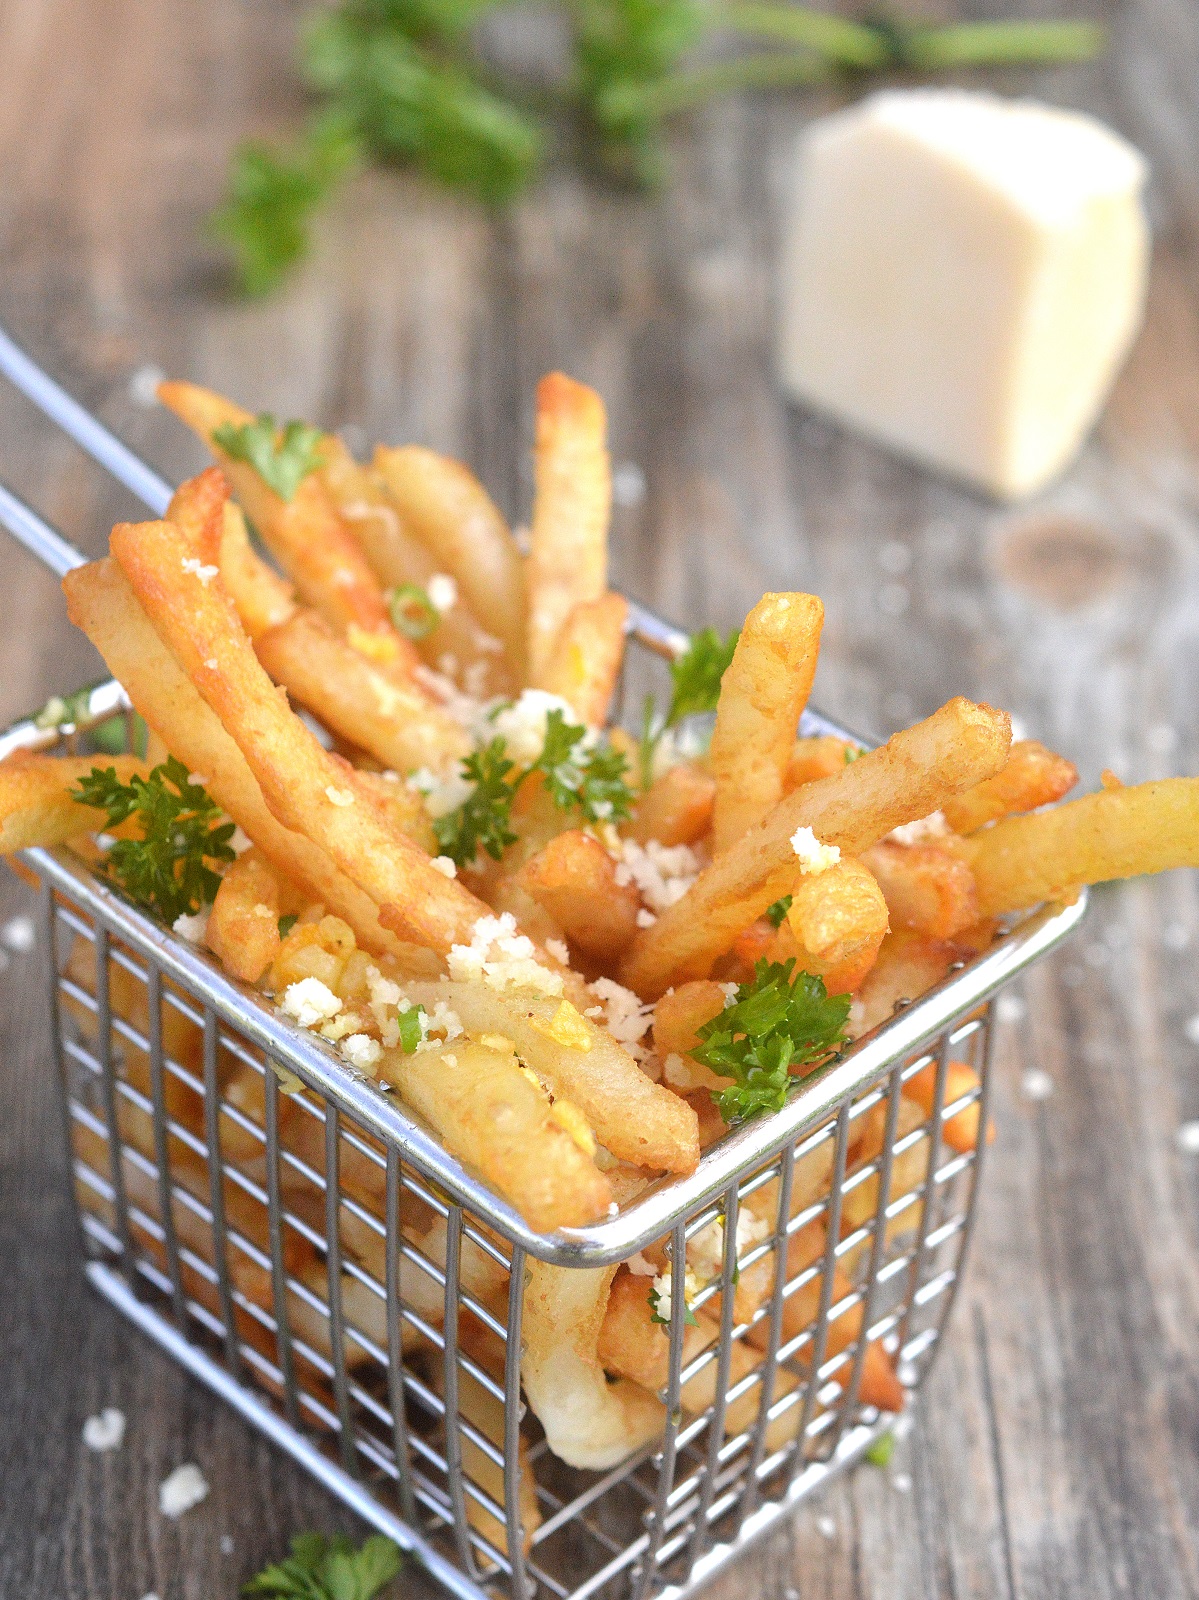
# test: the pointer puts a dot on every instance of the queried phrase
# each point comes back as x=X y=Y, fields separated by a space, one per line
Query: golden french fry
x=960 y=1132
x=588 y=1421
x=636 y=1119
x=306 y=788
x=459 y=641
x=678 y=1016
x=36 y=808
x=263 y=599
x=243 y=927
x=927 y=888
x=1032 y=777
x=585 y=663
x=913 y=774
x=838 y=920
x=304 y=534
x=632 y=1345
x=568 y=558
x=762 y=694
x=907 y=964
x=574 y=879
x=100 y=602
x=676 y=808
x=396 y=722
x=1117 y=833
x=815 y=757
x=485 y=1413
x=454 y=517
x=495 y=1117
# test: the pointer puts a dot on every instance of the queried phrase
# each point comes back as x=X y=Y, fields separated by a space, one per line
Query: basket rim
x=668 y=1199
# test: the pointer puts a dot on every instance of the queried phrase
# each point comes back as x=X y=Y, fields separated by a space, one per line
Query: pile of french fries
x=563 y=985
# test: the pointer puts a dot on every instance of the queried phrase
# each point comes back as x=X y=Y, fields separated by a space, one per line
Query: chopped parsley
x=168 y=869
x=287 y=923
x=775 y=1024
x=329 y=1569
x=591 y=779
x=776 y=914
x=413 y=613
x=695 y=688
x=282 y=458
x=412 y=1028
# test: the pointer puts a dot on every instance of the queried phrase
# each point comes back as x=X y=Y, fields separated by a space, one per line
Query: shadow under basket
x=302 y=1245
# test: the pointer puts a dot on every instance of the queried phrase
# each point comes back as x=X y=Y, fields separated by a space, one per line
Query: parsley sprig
x=282 y=458
x=183 y=830
x=776 y=1024
x=589 y=778
x=694 y=689
x=406 y=80
x=776 y=913
x=329 y=1569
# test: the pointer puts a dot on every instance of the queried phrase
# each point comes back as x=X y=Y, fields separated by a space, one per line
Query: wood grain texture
x=1056 y=1450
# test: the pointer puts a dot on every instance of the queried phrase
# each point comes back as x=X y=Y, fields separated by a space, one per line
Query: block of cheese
x=962 y=277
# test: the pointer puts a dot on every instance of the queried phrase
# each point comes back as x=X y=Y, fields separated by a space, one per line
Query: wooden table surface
x=1056 y=1450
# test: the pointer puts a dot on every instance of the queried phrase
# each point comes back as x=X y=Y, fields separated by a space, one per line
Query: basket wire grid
x=306 y=1249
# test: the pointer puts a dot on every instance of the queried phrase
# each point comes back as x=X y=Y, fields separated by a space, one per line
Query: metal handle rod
x=38 y=537
x=91 y=435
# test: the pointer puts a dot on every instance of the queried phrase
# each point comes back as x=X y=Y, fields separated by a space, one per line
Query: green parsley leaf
x=655 y=1300
x=411 y=1028
x=272 y=195
x=287 y=923
x=329 y=1569
x=281 y=459
x=775 y=1024
x=696 y=674
x=776 y=913
x=851 y=754
x=166 y=870
x=881 y=1451
x=592 y=779
x=413 y=613
x=483 y=820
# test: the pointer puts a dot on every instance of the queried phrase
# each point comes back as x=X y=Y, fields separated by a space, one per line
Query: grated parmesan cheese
x=183 y=1489
x=442 y=592
x=106 y=1431
x=205 y=574
x=691 y=1287
x=309 y=1002
x=813 y=856
x=339 y=797
x=922 y=831
x=445 y=865
x=640 y=1267
x=557 y=948
x=627 y=1019
x=662 y=873
x=502 y=958
x=361 y=1051
x=194 y=928
x=522 y=724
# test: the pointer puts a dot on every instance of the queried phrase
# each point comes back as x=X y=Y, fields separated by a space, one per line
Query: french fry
x=676 y=808
x=632 y=1345
x=304 y=534
x=762 y=694
x=36 y=808
x=100 y=602
x=913 y=774
x=308 y=790
x=484 y=1412
x=838 y=920
x=574 y=879
x=818 y=756
x=907 y=965
x=960 y=1131
x=588 y=1421
x=1117 y=833
x=678 y=1016
x=493 y=1117
x=243 y=926
x=454 y=517
x=585 y=663
x=1032 y=777
x=927 y=888
x=636 y=1119
x=568 y=558
x=396 y=722
x=459 y=640
x=263 y=599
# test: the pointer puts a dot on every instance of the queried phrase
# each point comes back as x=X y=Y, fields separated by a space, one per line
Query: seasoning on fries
x=576 y=957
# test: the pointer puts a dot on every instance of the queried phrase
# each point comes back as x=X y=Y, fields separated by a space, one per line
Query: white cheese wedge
x=962 y=278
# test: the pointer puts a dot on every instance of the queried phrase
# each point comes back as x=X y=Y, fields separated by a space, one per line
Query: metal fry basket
x=307 y=1250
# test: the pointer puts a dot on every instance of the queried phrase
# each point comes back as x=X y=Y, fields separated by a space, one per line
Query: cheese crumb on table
x=962 y=277
x=183 y=1489
x=105 y=1431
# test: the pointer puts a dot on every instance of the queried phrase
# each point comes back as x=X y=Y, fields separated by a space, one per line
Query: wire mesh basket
x=301 y=1244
